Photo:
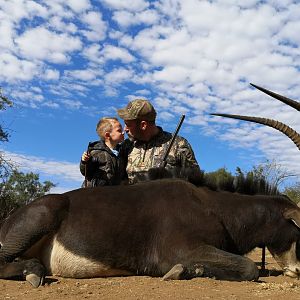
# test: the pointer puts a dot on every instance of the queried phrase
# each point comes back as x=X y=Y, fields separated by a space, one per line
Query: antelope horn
x=288 y=131
x=283 y=99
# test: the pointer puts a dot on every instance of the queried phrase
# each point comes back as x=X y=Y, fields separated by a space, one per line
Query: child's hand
x=85 y=157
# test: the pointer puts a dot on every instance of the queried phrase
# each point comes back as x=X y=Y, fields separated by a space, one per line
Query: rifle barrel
x=164 y=162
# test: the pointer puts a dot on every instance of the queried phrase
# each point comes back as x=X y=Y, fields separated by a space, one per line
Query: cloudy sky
x=66 y=63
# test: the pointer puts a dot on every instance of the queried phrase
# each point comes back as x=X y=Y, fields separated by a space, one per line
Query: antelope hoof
x=174 y=273
x=35 y=280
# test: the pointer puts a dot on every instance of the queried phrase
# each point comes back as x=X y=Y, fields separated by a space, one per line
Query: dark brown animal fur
x=148 y=228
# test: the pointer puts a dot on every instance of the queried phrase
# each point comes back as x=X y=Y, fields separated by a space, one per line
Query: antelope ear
x=293 y=214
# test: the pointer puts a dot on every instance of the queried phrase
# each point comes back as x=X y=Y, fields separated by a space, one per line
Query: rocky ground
x=271 y=286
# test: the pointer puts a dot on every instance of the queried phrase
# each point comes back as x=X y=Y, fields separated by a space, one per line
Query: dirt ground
x=271 y=286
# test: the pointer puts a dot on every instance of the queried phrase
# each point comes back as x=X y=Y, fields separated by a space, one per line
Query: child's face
x=116 y=134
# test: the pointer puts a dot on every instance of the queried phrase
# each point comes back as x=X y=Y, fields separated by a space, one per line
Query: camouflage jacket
x=103 y=168
x=142 y=156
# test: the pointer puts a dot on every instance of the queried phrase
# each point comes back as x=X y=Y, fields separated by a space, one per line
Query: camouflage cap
x=138 y=109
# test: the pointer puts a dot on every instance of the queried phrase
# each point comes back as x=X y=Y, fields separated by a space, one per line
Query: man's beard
x=130 y=137
x=138 y=135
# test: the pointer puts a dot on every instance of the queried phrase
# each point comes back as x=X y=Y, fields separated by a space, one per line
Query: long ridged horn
x=283 y=99
x=288 y=131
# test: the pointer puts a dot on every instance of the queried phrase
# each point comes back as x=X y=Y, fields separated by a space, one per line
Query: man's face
x=116 y=133
x=133 y=130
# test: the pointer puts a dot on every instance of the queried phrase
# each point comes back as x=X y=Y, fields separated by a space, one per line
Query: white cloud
x=6 y=34
x=92 y=53
x=110 y=91
x=214 y=54
x=40 y=43
x=60 y=169
x=288 y=34
x=58 y=8
x=198 y=120
x=172 y=74
x=58 y=24
x=51 y=74
x=133 y=5
x=118 y=76
x=12 y=68
x=51 y=104
x=96 y=25
x=166 y=116
x=110 y=52
x=85 y=75
x=72 y=104
x=78 y=6
x=126 y=18
x=115 y=34
x=16 y=10
x=162 y=102
x=143 y=92
x=99 y=55
x=28 y=96
x=271 y=142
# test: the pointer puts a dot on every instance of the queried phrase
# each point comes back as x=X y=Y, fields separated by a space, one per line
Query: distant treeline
x=250 y=182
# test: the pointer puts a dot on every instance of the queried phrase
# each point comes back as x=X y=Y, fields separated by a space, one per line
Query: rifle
x=85 y=166
x=164 y=161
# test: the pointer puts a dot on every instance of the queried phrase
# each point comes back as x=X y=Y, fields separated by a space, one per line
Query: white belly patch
x=67 y=264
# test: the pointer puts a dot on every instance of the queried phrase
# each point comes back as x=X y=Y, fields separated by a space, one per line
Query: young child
x=101 y=164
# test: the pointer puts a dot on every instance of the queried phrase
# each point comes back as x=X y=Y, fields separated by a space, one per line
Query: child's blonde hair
x=105 y=125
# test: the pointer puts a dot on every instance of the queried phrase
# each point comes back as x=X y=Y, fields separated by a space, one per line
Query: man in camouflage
x=148 y=143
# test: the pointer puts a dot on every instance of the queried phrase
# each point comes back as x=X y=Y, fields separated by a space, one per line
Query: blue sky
x=67 y=63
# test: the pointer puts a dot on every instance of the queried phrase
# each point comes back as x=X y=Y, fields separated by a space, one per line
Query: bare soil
x=272 y=285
